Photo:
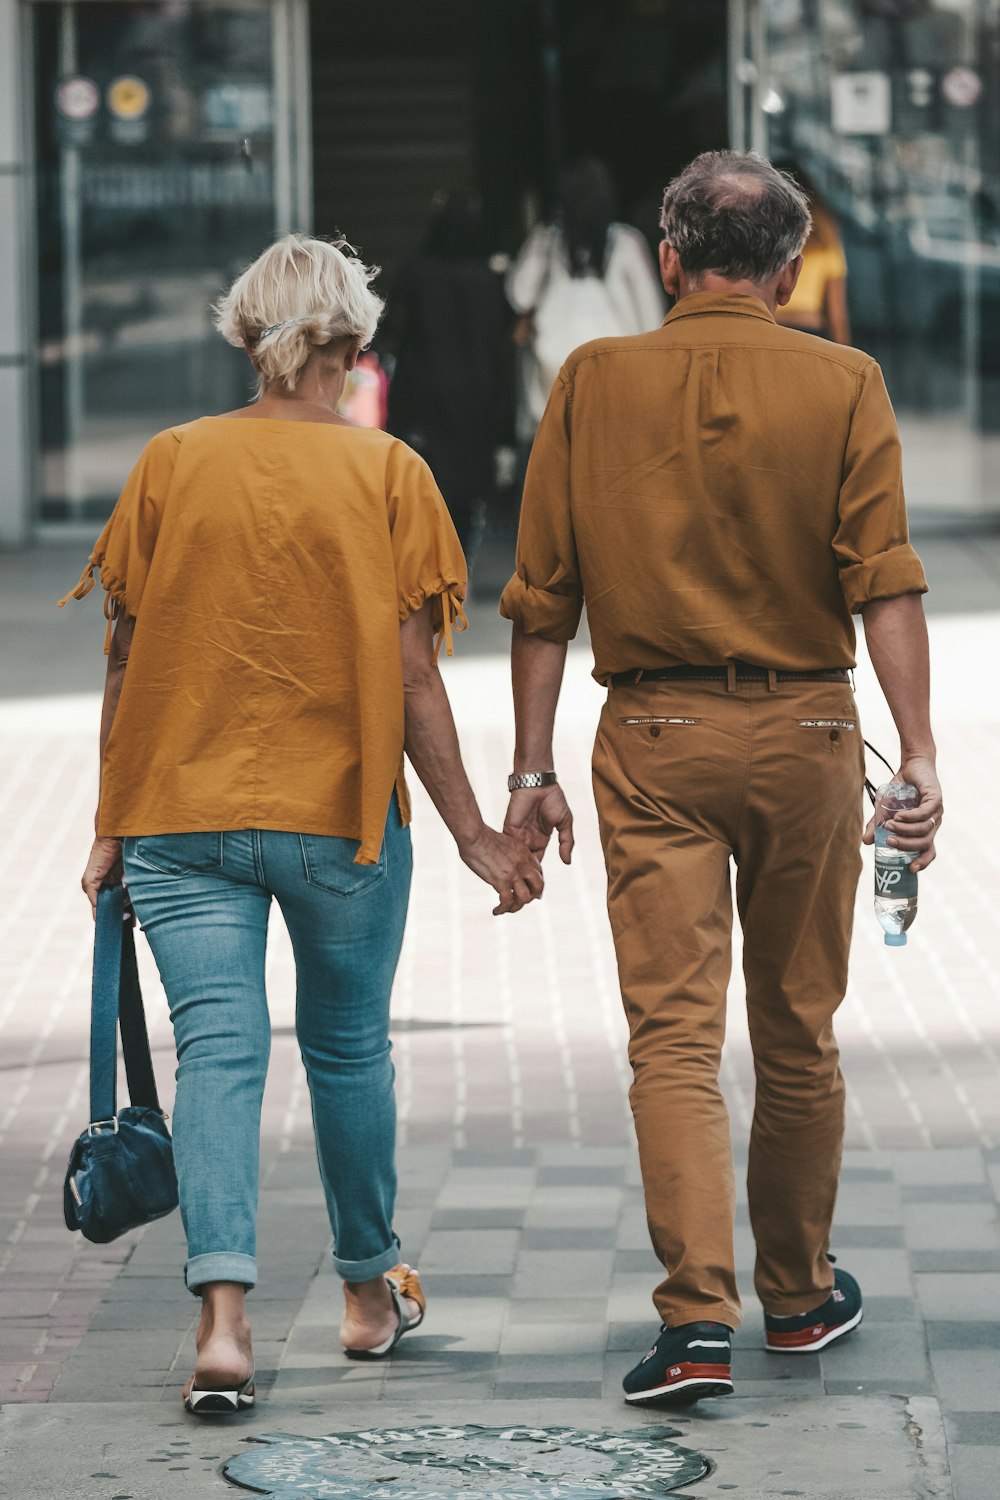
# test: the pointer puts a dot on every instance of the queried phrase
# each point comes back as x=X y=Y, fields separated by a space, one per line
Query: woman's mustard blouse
x=268 y=565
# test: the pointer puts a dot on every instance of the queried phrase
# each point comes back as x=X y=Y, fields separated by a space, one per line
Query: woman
x=450 y=394
x=276 y=578
x=584 y=277
x=819 y=301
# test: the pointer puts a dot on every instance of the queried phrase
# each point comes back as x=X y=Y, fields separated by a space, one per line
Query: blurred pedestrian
x=818 y=303
x=585 y=276
x=276 y=578
x=723 y=494
x=450 y=394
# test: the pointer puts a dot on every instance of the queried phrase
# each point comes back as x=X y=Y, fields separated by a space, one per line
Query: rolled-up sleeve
x=871 y=543
x=545 y=595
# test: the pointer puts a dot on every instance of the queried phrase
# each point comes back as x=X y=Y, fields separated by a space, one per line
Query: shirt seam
x=260 y=686
x=673 y=347
x=717 y=312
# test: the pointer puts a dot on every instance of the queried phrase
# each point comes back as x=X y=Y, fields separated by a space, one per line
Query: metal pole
x=758 y=55
x=736 y=41
x=292 y=160
x=70 y=215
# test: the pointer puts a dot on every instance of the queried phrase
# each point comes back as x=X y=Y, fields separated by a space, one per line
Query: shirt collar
x=740 y=303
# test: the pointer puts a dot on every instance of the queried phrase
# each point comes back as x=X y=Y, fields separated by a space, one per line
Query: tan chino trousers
x=688 y=775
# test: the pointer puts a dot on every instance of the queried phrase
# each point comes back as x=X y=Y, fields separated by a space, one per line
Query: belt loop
x=772 y=680
x=731 y=678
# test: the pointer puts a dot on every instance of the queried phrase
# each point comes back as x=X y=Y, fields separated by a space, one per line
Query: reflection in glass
x=155 y=185
x=893 y=108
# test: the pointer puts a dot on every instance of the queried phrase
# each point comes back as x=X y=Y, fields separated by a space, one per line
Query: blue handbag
x=121 y=1170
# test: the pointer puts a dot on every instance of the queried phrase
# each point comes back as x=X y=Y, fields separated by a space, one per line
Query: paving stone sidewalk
x=519 y=1196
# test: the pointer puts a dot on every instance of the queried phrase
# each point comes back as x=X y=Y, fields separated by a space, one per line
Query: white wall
x=15 y=434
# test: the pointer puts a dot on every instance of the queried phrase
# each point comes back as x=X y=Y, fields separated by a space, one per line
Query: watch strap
x=522 y=781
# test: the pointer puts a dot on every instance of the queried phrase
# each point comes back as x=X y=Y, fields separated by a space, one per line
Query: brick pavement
x=519 y=1189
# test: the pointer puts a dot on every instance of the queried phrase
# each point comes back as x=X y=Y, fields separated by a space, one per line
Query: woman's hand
x=523 y=332
x=505 y=864
x=104 y=867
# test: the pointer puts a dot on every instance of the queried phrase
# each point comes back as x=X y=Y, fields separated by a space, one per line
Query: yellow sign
x=128 y=98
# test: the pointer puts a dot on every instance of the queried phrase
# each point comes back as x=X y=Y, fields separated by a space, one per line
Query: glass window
x=155 y=185
x=892 y=108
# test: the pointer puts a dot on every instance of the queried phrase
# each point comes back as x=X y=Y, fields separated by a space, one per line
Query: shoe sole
x=828 y=1338
x=218 y=1403
x=681 y=1392
x=382 y=1351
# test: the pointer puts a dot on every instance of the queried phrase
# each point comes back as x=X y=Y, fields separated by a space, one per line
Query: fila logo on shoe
x=838 y=1295
x=675 y=1370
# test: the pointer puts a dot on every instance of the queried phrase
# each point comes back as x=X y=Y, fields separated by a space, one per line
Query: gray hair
x=733 y=213
x=299 y=295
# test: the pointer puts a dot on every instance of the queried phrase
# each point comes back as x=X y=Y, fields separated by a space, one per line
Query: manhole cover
x=445 y=1463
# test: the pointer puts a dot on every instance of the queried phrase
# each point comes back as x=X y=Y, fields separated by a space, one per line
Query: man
x=722 y=494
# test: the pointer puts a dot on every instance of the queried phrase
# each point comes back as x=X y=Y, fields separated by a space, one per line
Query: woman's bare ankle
x=225 y=1352
x=370 y=1314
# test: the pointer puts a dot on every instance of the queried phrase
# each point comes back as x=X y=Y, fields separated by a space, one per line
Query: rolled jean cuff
x=367 y=1270
x=220 y=1265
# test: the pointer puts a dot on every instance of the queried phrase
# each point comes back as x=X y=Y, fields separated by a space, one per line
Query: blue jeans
x=203 y=900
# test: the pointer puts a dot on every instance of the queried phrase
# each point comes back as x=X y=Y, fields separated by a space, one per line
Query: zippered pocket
x=828 y=723
x=656 y=719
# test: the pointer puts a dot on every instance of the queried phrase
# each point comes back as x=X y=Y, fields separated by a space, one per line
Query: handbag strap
x=117 y=1000
x=132 y=1023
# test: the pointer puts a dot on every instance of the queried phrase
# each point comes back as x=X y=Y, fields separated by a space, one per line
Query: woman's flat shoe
x=403 y=1282
x=213 y=1402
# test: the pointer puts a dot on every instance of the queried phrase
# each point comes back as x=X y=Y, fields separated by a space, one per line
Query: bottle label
x=895 y=880
x=893 y=877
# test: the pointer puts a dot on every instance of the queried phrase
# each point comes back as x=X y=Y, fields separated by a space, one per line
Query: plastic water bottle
x=895 y=882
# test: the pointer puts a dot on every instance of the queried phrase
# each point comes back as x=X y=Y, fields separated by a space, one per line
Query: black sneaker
x=684 y=1365
x=840 y=1313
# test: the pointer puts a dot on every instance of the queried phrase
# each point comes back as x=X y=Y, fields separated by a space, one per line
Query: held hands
x=535 y=814
x=505 y=864
x=915 y=829
x=104 y=867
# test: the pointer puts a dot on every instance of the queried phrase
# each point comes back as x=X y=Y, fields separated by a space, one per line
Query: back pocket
x=846 y=724
x=329 y=865
x=656 y=719
x=181 y=853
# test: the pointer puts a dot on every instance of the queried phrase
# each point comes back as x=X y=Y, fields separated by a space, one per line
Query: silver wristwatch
x=521 y=781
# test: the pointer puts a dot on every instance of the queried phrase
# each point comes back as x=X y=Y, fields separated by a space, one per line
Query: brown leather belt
x=744 y=673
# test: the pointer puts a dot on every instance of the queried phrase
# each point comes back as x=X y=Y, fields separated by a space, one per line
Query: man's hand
x=504 y=863
x=535 y=814
x=916 y=828
x=104 y=867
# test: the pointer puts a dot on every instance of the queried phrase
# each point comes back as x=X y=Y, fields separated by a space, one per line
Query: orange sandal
x=403 y=1282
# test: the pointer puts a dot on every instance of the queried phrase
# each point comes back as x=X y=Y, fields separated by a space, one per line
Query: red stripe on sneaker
x=803 y=1338
x=697 y=1372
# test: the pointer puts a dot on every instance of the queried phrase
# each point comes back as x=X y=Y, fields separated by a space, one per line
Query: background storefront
x=148 y=150
x=893 y=108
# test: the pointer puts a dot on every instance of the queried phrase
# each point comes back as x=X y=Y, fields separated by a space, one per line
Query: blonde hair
x=300 y=294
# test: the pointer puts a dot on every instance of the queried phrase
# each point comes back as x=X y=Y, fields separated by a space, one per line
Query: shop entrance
x=495 y=98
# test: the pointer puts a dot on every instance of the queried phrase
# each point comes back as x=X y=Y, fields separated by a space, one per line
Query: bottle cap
x=895 y=939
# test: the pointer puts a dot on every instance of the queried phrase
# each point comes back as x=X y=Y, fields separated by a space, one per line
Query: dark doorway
x=411 y=102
